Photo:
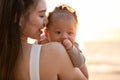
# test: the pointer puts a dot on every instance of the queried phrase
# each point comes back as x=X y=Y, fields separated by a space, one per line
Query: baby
x=62 y=27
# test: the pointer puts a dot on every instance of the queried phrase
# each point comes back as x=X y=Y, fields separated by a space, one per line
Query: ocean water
x=103 y=60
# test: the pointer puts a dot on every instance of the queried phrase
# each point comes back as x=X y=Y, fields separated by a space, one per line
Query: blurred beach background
x=103 y=60
x=98 y=35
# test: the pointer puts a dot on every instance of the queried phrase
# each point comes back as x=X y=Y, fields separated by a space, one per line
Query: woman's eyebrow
x=41 y=11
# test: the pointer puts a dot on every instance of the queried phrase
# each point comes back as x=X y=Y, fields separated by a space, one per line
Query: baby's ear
x=46 y=32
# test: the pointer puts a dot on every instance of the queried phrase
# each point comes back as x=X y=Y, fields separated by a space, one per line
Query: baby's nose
x=64 y=36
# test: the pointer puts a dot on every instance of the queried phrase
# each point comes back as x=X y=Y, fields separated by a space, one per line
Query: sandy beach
x=102 y=59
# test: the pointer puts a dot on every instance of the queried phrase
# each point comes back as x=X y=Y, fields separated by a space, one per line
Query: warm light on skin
x=98 y=19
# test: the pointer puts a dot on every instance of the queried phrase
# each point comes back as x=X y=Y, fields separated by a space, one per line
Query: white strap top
x=34 y=62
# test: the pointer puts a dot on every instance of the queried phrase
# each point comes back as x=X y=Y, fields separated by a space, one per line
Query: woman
x=20 y=19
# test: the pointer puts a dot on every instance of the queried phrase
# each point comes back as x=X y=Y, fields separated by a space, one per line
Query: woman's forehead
x=41 y=5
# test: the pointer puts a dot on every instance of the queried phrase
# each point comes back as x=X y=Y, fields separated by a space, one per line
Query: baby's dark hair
x=60 y=11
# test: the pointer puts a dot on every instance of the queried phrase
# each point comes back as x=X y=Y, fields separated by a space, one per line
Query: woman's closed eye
x=41 y=16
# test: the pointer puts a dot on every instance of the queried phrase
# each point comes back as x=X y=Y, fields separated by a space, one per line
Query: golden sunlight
x=98 y=19
x=98 y=35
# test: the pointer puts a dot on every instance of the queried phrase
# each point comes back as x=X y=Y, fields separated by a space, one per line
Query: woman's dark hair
x=10 y=43
x=62 y=11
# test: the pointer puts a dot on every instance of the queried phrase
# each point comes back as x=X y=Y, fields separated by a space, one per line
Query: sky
x=99 y=20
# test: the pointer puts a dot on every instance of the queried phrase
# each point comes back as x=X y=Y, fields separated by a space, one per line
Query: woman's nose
x=45 y=21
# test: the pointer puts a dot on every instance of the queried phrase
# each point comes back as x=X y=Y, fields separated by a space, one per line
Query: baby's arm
x=74 y=52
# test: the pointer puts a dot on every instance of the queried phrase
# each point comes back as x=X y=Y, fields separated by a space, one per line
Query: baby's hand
x=42 y=40
x=67 y=43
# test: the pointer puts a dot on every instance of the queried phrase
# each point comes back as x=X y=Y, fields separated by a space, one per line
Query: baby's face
x=62 y=29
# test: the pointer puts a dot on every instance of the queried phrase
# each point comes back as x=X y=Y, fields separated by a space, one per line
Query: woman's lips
x=41 y=31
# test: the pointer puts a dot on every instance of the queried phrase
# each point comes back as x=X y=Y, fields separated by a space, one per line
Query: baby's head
x=62 y=24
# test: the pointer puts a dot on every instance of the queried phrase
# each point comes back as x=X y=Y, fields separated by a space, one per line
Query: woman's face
x=32 y=25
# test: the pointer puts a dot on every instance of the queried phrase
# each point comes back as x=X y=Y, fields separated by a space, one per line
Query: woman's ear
x=46 y=32
x=21 y=20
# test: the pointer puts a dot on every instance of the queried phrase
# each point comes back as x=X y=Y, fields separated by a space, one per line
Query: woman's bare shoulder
x=54 y=51
x=52 y=56
x=53 y=47
x=52 y=44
